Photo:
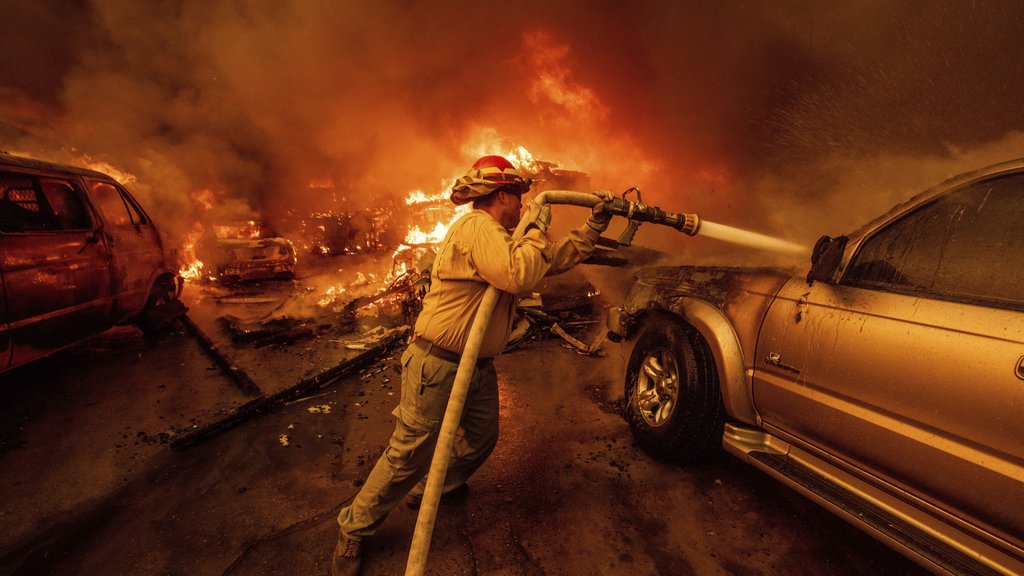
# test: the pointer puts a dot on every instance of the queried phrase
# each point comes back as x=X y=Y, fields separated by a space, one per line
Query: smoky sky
x=769 y=115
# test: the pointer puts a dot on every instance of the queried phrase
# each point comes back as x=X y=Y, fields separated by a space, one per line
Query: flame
x=416 y=235
x=191 y=267
x=521 y=158
x=433 y=213
x=192 y=271
x=331 y=295
x=449 y=213
x=417 y=197
x=123 y=178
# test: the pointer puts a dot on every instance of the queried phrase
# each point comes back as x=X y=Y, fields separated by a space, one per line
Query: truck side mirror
x=825 y=258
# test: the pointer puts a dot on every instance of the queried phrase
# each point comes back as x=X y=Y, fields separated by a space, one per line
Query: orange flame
x=191 y=267
x=124 y=178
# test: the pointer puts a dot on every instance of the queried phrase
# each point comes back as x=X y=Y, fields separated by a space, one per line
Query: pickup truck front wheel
x=673 y=401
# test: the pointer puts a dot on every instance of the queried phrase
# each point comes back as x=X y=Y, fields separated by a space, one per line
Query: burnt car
x=78 y=254
x=886 y=383
x=238 y=251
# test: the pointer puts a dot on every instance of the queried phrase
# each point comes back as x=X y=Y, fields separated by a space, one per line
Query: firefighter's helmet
x=488 y=174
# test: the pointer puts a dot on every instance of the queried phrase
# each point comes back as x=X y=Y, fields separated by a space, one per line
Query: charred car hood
x=266 y=248
x=717 y=285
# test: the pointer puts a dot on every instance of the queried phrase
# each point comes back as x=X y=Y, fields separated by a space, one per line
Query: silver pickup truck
x=886 y=383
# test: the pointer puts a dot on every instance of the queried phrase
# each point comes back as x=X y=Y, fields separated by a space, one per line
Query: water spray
x=637 y=213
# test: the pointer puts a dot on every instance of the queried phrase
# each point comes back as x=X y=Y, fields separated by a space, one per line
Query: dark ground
x=92 y=486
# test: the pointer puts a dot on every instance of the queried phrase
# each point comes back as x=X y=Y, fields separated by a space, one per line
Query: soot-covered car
x=239 y=251
x=886 y=383
x=78 y=254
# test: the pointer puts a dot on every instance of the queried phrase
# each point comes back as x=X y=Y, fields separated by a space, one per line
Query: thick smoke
x=788 y=118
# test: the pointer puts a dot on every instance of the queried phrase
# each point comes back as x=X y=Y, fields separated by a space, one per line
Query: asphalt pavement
x=92 y=485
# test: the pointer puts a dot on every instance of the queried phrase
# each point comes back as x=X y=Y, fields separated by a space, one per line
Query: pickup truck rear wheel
x=673 y=401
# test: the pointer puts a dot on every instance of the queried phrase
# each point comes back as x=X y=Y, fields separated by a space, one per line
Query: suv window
x=967 y=244
x=66 y=204
x=117 y=207
x=30 y=204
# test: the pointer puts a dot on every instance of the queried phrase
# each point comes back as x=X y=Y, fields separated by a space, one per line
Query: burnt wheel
x=673 y=401
x=162 y=306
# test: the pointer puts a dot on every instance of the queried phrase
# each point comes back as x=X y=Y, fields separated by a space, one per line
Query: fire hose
x=636 y=212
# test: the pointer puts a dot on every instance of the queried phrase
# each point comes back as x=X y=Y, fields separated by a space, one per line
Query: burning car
x=78 y=254
x=245 y=251
x=886 y=383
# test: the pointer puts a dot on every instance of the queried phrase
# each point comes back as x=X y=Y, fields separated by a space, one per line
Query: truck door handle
x=1020 y=368
x=775 y=359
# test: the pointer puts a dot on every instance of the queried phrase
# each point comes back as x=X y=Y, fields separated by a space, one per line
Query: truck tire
x=673 y=400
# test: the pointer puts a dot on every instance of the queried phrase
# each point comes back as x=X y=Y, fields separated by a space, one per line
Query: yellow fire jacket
x=478 y=252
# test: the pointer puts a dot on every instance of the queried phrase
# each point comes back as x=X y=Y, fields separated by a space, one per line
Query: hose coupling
x=690 y=224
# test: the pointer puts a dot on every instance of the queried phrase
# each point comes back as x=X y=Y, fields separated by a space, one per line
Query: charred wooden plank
x=265 y=404
x=238 y=376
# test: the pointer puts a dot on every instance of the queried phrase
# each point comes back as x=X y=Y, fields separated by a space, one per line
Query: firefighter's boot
x=347 y=557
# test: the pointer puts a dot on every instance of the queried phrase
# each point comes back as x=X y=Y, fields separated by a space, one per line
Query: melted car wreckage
x=246 y=251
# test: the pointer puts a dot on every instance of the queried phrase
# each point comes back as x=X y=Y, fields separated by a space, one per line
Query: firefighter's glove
x=538 y=216
x=600 y=215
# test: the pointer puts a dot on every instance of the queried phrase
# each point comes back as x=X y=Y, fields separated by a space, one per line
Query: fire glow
x=191 y=267
x=417 y=235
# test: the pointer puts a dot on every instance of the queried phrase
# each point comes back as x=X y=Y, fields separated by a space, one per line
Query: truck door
x=55 y=269
x=910 y=367
x=135 y=247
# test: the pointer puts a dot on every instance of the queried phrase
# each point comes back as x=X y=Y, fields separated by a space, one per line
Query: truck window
x=966 y=245
x=117 y=208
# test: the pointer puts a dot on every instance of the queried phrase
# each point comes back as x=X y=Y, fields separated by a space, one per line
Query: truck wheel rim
x=657 y=387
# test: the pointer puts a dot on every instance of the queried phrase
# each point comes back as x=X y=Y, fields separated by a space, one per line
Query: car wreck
x=884 y=383
x=240 y=251
x=78 y=254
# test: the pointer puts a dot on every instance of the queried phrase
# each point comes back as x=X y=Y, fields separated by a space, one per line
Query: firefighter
x=478 y=251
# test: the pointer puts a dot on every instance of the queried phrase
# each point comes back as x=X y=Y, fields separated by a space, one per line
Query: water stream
x=748 y=238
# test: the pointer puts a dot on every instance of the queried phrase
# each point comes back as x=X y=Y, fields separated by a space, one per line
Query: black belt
x=432 y=349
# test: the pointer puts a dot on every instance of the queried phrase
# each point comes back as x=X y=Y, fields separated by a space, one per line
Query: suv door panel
x=906 y=368
x=134 y=242
x=905 y=395
x=57 y=281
